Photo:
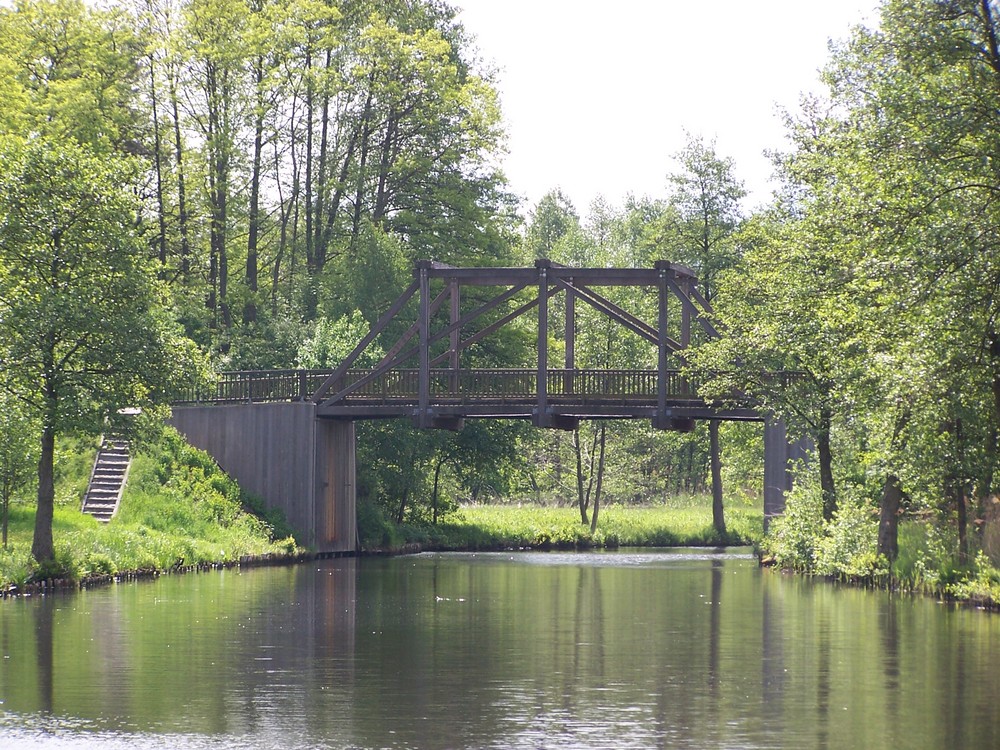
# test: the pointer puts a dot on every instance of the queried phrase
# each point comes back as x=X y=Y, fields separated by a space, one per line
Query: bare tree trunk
x=434 y=494
x=718 y=511
x=888 y=527
x=580 y=495
x=600 y=480
x=42 y=546
x=892 y=499
x=182 y=213
x=826 y=464
x=253 y=228
x=161 y=239
x=366 y=132
x=318 y=243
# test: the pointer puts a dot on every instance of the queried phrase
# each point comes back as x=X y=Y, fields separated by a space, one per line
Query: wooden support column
x=686 y=315
x=455 y=337
x=570 y=339
x=423 y=417
x=541 y=417
x=661 y=421
x=777 y=477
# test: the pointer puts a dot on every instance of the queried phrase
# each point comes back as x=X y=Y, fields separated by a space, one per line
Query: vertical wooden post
x=456 y=340
x=686 y=314
x=662 y=268
x=541 y=377
x=424 y=325
x=570 y=339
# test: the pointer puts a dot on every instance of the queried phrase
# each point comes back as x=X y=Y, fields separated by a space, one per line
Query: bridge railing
x=502 y=384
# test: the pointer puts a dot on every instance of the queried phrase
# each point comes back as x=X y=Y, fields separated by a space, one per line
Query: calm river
x=670 y=649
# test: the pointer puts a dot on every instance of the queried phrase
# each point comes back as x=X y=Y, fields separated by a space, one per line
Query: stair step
x=107 y=479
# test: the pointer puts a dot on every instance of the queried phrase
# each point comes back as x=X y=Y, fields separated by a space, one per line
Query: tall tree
x=218 y=60
x=18 y=453
x=83 y=335
x=706 y=195
x=74 y=72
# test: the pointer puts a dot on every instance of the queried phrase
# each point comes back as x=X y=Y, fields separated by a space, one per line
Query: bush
x=849 y=549
x=63 y=566
x=793 y=539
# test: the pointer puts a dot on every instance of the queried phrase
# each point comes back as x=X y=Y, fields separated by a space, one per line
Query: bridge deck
x=508 y=392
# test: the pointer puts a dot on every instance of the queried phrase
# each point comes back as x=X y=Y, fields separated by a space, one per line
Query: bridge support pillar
x=779 y=457
x=283 y=453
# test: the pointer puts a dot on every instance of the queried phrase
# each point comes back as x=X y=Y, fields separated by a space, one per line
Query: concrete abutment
x=281 y=452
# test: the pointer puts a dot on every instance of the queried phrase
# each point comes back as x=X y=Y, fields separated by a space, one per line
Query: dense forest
x=202 y=185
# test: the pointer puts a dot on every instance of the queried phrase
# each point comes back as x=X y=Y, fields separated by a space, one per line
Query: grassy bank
x=178 y=510
x=685 y=521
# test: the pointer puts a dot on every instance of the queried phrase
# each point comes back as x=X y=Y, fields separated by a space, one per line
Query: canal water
x=663 y=649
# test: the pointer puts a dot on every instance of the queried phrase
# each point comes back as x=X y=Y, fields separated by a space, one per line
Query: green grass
x=681 y=523
x=178 y=510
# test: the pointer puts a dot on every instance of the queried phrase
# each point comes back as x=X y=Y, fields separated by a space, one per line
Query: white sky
x=597 y=96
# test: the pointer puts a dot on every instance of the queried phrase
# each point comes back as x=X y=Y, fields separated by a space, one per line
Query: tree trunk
x=987 y=491
x=253 y=228
x=718 y=512
x=892 y=498
x=402 y=505
x=284 y=211
x=42 y=547
x=826 y=464
x=962 y=507
x=580 y=495
x=434 y=493
x=310 y=125
x=161 y=239
x=366 y=132
x=959 y=494
x=388 y=156
x=182 y=215
x=319 y=246
x=888 y=527
x=8 y=490
x=600 y=481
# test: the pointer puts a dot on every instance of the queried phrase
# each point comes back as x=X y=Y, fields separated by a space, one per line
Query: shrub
x=794 y=538
x=849 y=548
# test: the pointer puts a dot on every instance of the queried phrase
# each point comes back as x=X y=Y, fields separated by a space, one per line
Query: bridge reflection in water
x=421 y=376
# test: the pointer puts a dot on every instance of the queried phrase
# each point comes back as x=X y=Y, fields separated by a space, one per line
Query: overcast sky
x=597 y=96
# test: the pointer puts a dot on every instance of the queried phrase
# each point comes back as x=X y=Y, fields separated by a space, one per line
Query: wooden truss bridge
x=422 y=374
x=288 y=435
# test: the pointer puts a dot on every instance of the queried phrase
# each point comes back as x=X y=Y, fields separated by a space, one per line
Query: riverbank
x=677 y=522
x=179 y=511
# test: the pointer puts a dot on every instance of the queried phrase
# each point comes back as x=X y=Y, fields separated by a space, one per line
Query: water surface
x=544 y=650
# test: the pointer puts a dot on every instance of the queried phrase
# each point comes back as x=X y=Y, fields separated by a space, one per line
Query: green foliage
x=793 y=538
x=63 y=565
x=332 y=340
x=683 y=522
x=178 y=509
x=202 y=499
x=375 y=531
x=849 y=547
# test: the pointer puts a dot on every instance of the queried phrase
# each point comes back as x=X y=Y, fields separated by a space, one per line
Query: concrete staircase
x=107 y=480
